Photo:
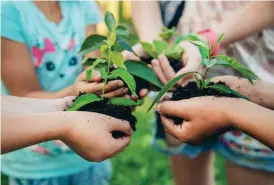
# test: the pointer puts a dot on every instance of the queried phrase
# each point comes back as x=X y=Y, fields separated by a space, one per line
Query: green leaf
x=199 y=43
x=125 y=102
x=206 y=82
x=88 y=73
x=92 y=43
x=103 y=72
x=211 y=63
x=220 y=38
x=122 y=31
x=83 y=100
x=198 y=82
x=148 y=49
x=166 y=33
x=233 y=63
x=126 y=77
x=124 y=44
x=117 y=58
x=88 y=61
x=110 y=21
x=175 y=52
x=227 y=90
x=167 y=87
x=111 y=38
x=141 y=70
x=104 y=50
x=98 y=62
x=160 y=46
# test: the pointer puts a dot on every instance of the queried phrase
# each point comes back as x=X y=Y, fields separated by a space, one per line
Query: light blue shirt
x=54 y=51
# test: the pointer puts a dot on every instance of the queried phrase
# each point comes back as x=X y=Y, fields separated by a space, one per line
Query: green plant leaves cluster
x=126 y=77
x=208 y=62
x=166 y=33
x=161 y=47
x=89 y=98
x=82 y=101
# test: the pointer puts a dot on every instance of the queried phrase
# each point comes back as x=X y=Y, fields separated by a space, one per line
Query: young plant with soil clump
x=142 y=74
x=117 y=107
x=203 y=86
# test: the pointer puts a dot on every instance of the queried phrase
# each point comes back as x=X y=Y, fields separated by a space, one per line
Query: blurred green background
x=140 y=163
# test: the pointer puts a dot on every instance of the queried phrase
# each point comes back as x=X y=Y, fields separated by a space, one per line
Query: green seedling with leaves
x=105 y=64
x=159 y=47
x=208 y=62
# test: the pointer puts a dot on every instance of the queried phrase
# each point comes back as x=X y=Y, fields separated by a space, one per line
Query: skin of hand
x=207 y=116
x=191 y=59
x=95 y=85
x=88 y=134
x=259 y=92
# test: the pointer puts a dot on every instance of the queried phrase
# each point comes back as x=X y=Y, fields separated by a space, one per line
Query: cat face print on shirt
x=57 y=64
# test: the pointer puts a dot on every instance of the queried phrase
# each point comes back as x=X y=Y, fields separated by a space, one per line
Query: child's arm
x=20 y=77
x=259 y=92
x=243 y=23
x=88 y=134
x=206 y=116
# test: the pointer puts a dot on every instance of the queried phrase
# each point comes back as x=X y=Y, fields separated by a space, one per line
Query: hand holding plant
x=95 y=85
x=203 y=116
x=90 y=135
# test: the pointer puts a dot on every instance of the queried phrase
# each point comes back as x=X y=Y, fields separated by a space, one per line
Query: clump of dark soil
x=190 y=91
x=116 y=111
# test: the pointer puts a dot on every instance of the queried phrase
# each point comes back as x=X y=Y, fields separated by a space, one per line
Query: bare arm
x=24 y=124
x=19 y=75
x=247 y=21
x=205 y=116
x=147 y=20
x=259 y=92
x=254 y=120
x=19 y=131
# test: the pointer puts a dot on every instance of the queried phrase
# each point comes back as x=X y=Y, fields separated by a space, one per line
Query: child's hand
x=95 y=85
x=138 y=49
x=90 y=135
x=191 y=59
x=204 y=116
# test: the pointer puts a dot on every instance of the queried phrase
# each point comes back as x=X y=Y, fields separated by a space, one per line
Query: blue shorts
x=234 y=146
x=99 y=174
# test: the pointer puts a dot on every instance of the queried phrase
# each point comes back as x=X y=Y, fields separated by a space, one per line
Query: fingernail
x=154 y=62
x=125 y=89
x=121 y=83
x=158 y=108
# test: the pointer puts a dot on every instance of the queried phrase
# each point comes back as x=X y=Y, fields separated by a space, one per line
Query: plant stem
x=204 y=77
x=105 y=80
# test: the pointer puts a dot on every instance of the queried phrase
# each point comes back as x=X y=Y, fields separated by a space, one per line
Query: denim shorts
x=98 y=174
x=234 y=146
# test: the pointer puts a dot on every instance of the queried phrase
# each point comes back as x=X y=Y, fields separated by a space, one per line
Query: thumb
x=120 y=125
x=173 y=108
x=96 y=76
x=119 y=144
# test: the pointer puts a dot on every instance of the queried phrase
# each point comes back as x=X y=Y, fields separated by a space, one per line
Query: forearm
x=245 y=22
x=147 y=19
x=254 y=120
x=24 y=130
x=68 y=91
